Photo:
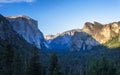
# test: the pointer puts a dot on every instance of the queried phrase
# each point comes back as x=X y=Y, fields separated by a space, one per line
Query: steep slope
x=62 y=42
x=73 y=40
x=93 y=33
x=102 y=33
x=15 y=50
x=9 y=36
x=7 y=32
x=82 y=41
x=113 y=43
x=27 y=28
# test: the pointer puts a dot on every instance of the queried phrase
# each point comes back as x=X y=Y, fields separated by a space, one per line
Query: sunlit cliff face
x=27 y=28
x=115 y=27
x=102 y=33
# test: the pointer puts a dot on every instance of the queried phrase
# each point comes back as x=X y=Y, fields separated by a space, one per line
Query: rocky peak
x=88 y=25
x=27 y=28
x=19 y=16
x=62 y=41
x=7 y=32
x=91 y=28
x=4 y=27
x=102 y=33
x=23 y=19
x=82 y=41
x=115 y=27
x=47 y=37
x=97 y=24
x=71 y=32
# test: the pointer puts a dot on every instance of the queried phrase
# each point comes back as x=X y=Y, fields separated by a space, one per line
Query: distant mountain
x=15 y=50
x=62 y=41
x=94 y=40
x=11 y=37
x=49 y=38
x=102 y=33
x=82 y=41
x=113 y=42
x=92 y=34
x=27 y=28
x=7 y=32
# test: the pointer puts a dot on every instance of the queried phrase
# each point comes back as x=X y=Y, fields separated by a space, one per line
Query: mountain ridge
x=101 y=33
x=27 y=28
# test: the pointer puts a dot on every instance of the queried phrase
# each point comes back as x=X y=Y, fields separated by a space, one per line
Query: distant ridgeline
x=92 y=50
x=91 y=35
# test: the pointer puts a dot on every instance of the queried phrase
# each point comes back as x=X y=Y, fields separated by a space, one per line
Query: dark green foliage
x=53 y=68
x=91 y=68
x=17 y=64
x=113 y=43
x=13 y=59
x=33 y=66
x=118 y=65
x=8 y=56
x=101 y=67
x=25 y=60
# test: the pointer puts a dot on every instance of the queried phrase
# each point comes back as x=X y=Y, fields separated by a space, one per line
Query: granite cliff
x=92 y=34
x=102 y=33
x=27 y=28
x=62 y=41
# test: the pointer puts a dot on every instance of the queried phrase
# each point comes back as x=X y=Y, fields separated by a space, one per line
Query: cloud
x=15 y=1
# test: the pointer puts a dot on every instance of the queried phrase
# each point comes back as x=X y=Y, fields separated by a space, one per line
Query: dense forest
x=13 y=61
x=20 y=57
x=59 y=37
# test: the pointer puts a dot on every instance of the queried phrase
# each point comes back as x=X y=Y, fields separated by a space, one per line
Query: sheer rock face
x=62 y=41
x=7 y=32
x=82 y=41
x=102 y=33
x=4 y=28
x=27 y=28
x=92 y=34
x=73 y=40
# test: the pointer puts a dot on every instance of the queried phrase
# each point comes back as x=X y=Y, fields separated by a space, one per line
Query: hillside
x=113 y=43
x=73 y=52
x=98 y=32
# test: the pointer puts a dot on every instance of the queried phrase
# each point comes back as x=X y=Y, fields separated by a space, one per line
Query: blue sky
x=56 y=16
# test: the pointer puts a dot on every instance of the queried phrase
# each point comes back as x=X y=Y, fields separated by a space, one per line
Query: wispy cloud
x=15 y=1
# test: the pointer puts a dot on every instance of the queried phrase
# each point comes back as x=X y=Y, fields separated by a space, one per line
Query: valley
x=25 y=50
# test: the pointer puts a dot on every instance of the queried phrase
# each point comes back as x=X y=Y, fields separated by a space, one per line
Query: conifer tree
x=8 y=57
x=53 y=68
x=17 y=64
x=34 y=67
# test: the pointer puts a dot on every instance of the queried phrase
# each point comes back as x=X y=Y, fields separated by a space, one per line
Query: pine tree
x=8 y=57
x=104 y=65
x=53 y=68
x=101 y=67
x=91 y=68
x=17 y=64
x=34 y=67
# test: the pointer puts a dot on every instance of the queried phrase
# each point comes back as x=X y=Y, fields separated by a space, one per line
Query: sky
x=56 y=16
